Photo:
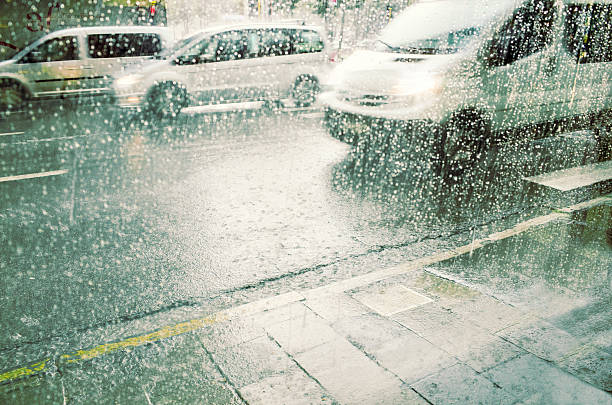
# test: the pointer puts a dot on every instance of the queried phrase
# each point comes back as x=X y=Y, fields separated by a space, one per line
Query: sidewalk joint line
x=220 y=371
x=292 y=358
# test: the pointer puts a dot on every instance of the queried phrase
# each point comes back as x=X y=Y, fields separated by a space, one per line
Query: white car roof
x=260 y=25
x=118 y=29
x=587 y=1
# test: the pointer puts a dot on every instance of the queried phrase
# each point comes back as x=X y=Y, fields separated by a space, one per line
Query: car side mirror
x=207 y=57
x=184 y=60
x=32 y=57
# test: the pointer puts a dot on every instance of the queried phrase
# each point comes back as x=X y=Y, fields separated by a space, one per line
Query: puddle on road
x=440 y=287
x=572 y=255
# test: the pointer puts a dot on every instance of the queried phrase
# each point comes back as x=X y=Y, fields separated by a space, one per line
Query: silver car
x=472 y=73
x=76 y=62
x=257 y=61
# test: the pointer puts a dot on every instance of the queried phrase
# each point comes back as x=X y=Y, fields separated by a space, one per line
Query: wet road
x=130 y=218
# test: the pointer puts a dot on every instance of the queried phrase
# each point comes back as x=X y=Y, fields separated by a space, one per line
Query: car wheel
x=305 y=91
x=166 y=100
x=463 y=143
x=12 y=96
x=602 y=132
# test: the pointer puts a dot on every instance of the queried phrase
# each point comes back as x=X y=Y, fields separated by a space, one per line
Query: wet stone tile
x=488 y=313
x=540 y=338
x=348 y=374
x=300 y=334
x=426 y=319
x=412 y=358
x=473 y=345
x=333 y=307
x=590 y=322
x=603 y=340
x=534 y=380
x=292 y=388
x=369 y=331
x=280 y=314
x=486 y=355
x=253 y=361
x=392 y=396
x=460 y=384
x=590 y=364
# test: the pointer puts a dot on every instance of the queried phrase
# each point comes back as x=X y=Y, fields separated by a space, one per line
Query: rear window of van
x=308 y=41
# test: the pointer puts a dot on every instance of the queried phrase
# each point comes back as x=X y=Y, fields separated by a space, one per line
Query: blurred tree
x=327 y=6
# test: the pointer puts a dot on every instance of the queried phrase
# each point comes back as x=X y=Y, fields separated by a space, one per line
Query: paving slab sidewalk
x=536 y=333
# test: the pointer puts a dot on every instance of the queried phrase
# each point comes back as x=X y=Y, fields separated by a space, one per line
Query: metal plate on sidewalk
x=389 y=300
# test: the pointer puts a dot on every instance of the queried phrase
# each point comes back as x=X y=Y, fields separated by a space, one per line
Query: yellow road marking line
x=291 y=297
x=26 y=371
x=97 y=351
x=160 y=334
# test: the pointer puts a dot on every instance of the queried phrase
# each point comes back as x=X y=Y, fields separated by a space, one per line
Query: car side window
x=123 y=45
x=54 y=50
x=529 y=31
x=275 y=42
x=307 y=41
x=587 y=32
x=144 y=44
x=200 y=52
x=231 y=45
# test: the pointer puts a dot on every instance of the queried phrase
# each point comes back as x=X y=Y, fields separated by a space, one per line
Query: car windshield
x=438 y=27
x=178 y=46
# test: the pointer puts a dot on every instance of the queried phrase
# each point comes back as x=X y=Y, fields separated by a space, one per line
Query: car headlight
x=333 y=79
x=416 y=86
x=129 y=80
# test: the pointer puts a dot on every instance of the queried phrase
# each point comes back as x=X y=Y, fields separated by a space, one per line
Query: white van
x=76 y=62
x=255 y=61
x=474 y=72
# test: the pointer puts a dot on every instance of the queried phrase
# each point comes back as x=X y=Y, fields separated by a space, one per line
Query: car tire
x=305 y=90
x=602 y=132
x=12 y=96
x=166 y=100
x=462 y=145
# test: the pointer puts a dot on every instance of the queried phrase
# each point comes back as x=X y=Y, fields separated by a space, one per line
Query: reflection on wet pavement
x=571 y=255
